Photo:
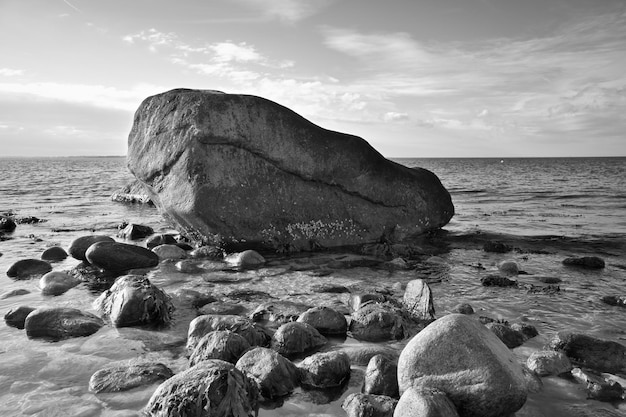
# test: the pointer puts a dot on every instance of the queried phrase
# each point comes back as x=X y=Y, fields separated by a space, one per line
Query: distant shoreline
x=388 y=157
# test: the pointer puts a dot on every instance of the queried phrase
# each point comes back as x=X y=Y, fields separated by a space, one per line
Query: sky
x=415 y=78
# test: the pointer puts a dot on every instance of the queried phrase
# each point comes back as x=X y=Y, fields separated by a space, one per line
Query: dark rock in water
x=279 y=311
x=133 y=301
x=219 y=344
x=549 y=280
x=497 y=247
x=589 y=262
x=276 y=375
x=295 y=338
x=28 y=268
x=497 y=281
x=133 y=193
x=510 y=268
x=356 y=301
x=202 y=325
x=548 y=362
x=600 y=355
x=193 y=298
x=125 y=377
x=329 y=288
x=381 y=377
x=418 y=301
x=211 y=388
x=326 y=320
x=325 y=370
x=377 y=322
x=28 y=220
x=528 y=330
x=425 y=402
x=366 y=405
x=160 y=239
x=135 y=231
x=120 y=257
x=614 y=300
x=57 y=283
x=461 y=357
x=463 y=308
x=54 y=254
x=511 y=338
x=246 y=158
x=17 y=316
x=14 y=293
x=7 y=225
x=79 y=246
x=598 y=388
x=96 y=279
x=58 y=323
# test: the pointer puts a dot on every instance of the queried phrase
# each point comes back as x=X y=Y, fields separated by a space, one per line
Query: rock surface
x=326 y=320
x=598 y=354
x=28 y=268
x=225 y=168
x=366 y=405
x=589 y=262
x=124 y=377
x=459 y=356
x=16 y=317
x=418 y=301
x=245 y=327
x=57 y=323
x=133 y=300
x=56 y=283
x=548 y=362
x=325 y=370
x=120 y=257
x=219 y=344
x=424 y=403
x=295 y=338
x=211 y=388
x=381 y=377
x=276 y=375
x=54 y=254
x=79 y=246
x=377 y=322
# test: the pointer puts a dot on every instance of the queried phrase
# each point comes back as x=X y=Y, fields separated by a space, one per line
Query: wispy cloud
x=289 y=11
x=10 y=72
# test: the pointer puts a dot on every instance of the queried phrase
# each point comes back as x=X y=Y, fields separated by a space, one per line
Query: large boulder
x=211 y=388
x=462 y=358
x=225 y=169
x=133 y=300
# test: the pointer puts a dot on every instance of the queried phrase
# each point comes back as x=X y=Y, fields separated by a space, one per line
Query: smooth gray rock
x=54 y=254
x=79 y=246
x=246 y=259
x=418 y=301
x=377 y=322
x=295 y=338
x=276 y=375
x=425 y=402
x=459 y=356
x=57 y=283
x=169 y=252
x=57 y=323
x=211 y=388
x=124 y=377
x=509 y=268
x=160 y=239
x=232 y=177
x=367 y=405
x=28 y=268
x=381 y=377
x=133 y=301
x=120 y=257
x=548 y=362
x=326 y=320
x=14 y=293
x=325 y=370
x=598 y=354
x=219 y=344
x=202 y=325
x=16 y=317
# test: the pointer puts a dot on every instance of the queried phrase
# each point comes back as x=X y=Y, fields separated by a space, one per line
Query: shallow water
x=550 y=210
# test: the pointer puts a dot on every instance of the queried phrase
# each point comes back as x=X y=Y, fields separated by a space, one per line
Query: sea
x=547 y=209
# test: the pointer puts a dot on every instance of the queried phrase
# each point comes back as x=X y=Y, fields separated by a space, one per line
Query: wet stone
x=279 y=311
x=548 y=362
x=204 y=324
x=222 y=308
x=377 y=322
x=463 y=308
x=17 y=316
x=57 y=323
x=57 y=283
x=245 y=259
x=497 y=281
x=497 y=247
x=425 y=402
x=326 y=320
x=329 y=288
x=79 y=246
x=598 y=388
x=510 y=337
x=160 y=239
x=614 y=300
x=367 y=405
x=28 y=268
x=169 y=252
x=54 y=254
x=597 y=354
x=325 y=370
x=509 y=268
x=128 y=376
x=219 y=344
x=381 y=376
x=135 y=231
x=295 y=338
x=120 y=257
x=14 y=293
x=588 y=262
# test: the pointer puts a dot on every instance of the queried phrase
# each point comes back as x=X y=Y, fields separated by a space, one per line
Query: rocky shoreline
x=248 y=348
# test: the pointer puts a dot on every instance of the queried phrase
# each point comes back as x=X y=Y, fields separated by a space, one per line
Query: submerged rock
x=133 y=300
x=325 y=370
x=57 y=283
x=135 y=231
x=120 y=257
x=219 y=344
x=425 y=402
x=326 y=320
x=497 y=281
x=211 y=388
x=128 y=376
x=509 y=268
x=79 y=246
x=377 y=322
x=16 y=317
x=28 y=268
x=54 y=254
x=57 y=323
x=295 y=338
x=14 y=293
x=233 y=177
x=245 y=259
x=276 y=375
x=600 y=355
x=366 y=405
x=589 y=262
x=279 y=311
x=459 y=356
x=497 y=247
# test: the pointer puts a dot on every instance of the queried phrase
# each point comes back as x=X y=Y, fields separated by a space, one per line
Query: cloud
x=240 y=52
x=289 y=11
x=393 y=116
x=10 y=72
